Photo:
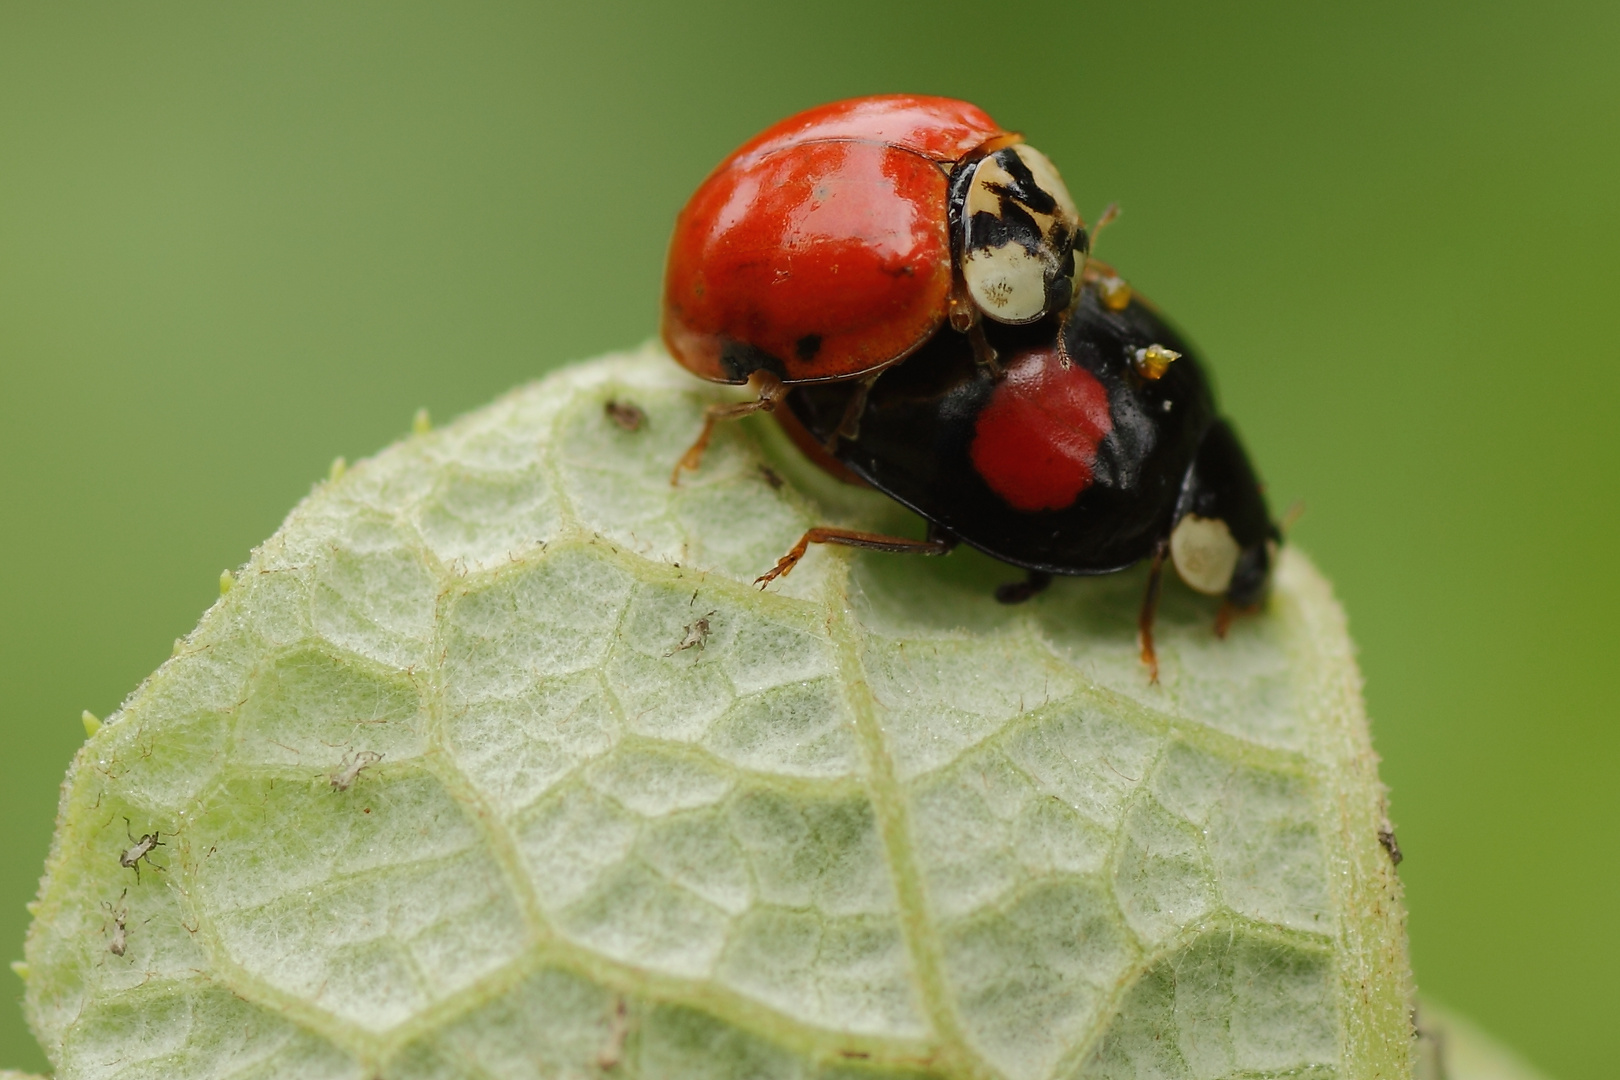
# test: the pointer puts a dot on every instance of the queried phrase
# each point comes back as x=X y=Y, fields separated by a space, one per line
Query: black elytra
x=1074 y=461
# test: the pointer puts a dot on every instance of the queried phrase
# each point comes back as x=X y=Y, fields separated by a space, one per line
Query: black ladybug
x=1096 y=445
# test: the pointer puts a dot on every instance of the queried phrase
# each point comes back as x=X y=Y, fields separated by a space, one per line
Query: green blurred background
x=238 y=240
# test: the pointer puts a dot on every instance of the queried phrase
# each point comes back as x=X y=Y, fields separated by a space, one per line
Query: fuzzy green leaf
x=492 y=763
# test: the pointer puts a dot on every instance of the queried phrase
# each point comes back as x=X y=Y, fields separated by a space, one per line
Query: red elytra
x=938 y=128
x=820 y=249
x=1035 y=441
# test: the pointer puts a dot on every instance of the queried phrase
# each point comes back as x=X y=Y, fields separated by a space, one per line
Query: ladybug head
x=1016 y=234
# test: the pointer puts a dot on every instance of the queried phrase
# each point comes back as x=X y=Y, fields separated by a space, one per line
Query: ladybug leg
x=1150 y=608
x=771 y=392
x=1016 y=592
x=964 y=318
x=1229 y=613
x=983 y=351
x=849 y=426
x=934 y=545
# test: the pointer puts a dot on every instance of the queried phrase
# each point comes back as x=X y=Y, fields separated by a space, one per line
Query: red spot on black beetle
x=1036 y=441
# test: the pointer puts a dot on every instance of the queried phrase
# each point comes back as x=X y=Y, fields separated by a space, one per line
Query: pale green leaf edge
x=1375 y=984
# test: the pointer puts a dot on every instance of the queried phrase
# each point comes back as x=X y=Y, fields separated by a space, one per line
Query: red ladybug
x=836 y=243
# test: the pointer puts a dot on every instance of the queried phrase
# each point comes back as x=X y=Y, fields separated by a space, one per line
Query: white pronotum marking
x=1009 y=282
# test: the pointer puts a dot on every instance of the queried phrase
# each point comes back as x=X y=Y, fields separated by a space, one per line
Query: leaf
x=492 y=762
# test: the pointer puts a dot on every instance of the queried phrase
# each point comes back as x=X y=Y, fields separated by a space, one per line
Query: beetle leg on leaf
x=936 y=544
x=771 y=392
x=1016 y=592
x=1150 y=608
x=1229 y=613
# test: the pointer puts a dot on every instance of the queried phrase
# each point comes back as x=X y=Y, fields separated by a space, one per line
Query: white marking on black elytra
x=1205 y=553
x=1019 y=229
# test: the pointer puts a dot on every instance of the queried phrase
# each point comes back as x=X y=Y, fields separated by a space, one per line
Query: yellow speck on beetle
x=91 y=724
x=1153 y=361
x=421 y=423
x=1114 y=292
x=226 y=581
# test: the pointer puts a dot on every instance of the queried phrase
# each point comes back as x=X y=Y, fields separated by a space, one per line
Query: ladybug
x=840 y=241
x=1096 y=447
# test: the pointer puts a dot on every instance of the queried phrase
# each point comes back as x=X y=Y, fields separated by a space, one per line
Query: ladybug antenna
x=1106 y=218
x=1291 y=516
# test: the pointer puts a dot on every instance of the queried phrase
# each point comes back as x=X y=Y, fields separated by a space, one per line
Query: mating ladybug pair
x=906 y=286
